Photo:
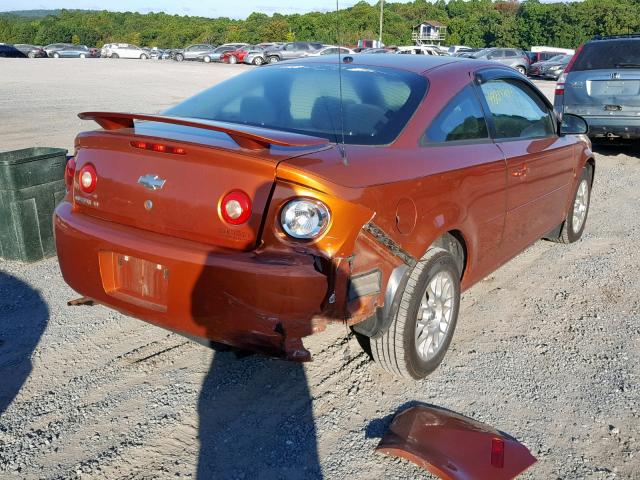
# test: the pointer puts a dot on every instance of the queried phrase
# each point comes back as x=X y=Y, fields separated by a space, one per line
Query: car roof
x=413 y=63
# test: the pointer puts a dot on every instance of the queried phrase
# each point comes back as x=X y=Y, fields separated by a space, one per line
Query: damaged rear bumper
x=260 y=301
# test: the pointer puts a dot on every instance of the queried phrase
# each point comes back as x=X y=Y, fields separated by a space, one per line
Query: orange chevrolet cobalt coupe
x=368 y=190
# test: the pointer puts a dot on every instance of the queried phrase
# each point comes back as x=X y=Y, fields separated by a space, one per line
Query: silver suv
x=511 y=57
x=291 y=50
x=602 y=84
x=192 y=52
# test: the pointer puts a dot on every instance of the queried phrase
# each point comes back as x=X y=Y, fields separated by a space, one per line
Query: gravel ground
x=546 y=349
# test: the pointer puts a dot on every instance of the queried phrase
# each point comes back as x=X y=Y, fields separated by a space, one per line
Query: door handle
x=520 y=171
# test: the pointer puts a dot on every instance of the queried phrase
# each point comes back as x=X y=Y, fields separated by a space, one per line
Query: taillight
x=563 y=78
x=569 y=66
x=235 y=207
x=88 y=178
x=560 y=85
x=158 y=147
x=69 y=173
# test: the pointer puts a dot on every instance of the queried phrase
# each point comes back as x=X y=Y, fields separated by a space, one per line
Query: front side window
x=375 y=105
x=461 y=119
x=517 y=112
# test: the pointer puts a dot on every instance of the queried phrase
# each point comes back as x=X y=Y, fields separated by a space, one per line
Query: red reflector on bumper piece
x=158 y=147
x=497 y=452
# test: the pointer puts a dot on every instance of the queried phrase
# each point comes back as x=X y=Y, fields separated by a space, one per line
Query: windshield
x=481 y=53
x=377 y=102
x=609 y=54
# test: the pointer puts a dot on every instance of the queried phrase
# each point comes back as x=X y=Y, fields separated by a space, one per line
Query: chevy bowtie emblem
x=152 y=182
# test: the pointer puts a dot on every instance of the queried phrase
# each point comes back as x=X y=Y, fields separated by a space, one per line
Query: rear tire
x=82 y=55
x=274 y=59
x=115 y=55
x=31 y=55
x=233 y=60
x=179 y=57
x=258 y=61
x=576 y=219
x=421 y=332
x=207 y=59
x=144 y=57
x=56 y=55
x=521 y=70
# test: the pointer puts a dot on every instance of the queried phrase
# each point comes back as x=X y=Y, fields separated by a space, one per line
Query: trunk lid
x=130 y=189
x=610 y=92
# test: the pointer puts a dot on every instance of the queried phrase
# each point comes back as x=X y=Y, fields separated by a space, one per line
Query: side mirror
x=573 y=125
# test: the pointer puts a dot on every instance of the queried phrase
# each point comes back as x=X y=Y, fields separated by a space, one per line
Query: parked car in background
x=418 y=50
x=453 y=49
x=55 y=46
x=291 y=50
x=239 y=54
x=511 y=57
x=376 y=50
x=535 y=57
x=331 y=50
x=602 y=84
x=215 y=54
x=71 y=51
x=31 y=51
x=192 y=52
x=212 y=233
x=9 y=51
x=549 y=69
x=127 y=50
x=467 y=53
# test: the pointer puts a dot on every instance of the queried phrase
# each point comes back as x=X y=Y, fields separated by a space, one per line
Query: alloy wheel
x=580 y=205
x=434 y=315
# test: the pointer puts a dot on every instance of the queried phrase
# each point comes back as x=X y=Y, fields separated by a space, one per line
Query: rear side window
x=609 y=54
x=517 y=112
x=461 y=119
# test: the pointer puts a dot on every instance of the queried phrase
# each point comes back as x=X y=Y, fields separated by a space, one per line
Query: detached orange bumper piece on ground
x=454 y=447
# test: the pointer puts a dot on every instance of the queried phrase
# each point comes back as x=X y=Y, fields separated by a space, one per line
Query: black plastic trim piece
x=388 y=242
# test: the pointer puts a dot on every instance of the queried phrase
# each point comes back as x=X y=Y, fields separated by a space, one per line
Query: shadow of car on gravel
x=617 y=147
x=23 y=318
x=256 y=420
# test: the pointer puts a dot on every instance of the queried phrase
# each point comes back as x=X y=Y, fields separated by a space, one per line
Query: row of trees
x=477 y=23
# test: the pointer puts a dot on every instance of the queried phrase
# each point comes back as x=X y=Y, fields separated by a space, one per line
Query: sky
x=204 y=8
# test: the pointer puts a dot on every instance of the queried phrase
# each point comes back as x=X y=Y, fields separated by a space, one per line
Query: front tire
x=56 y=55
x=576 y=219
x=207 y=59
x=233 y=60
x=421 y=332
x=521 y=70
x=144 y=57
x=179 y=57
x=274 y=59
x=115 y=55
x=82 y=55
x=258 y=61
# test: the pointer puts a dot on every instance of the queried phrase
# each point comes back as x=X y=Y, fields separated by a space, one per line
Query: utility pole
x=381 y=16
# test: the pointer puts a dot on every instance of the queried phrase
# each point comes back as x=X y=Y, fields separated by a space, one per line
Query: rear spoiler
x=246 y=136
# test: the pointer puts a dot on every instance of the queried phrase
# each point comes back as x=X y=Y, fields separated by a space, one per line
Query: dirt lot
x=547 y=349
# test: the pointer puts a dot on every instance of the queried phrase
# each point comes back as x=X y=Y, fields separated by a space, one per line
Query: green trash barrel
x=31 y=185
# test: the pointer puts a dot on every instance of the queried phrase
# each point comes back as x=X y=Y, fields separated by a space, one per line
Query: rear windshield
x=376 y=102
x=609 y=54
